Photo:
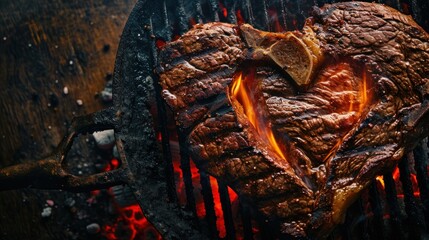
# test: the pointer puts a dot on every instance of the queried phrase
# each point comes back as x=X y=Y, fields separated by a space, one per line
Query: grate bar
x=198 y=11
x=354 y=226
x=394 y=211
x=258 y=10
x=249 y=18
x=423 y=6
x=206 y=190
x=363 y=224
x=413 y=219
x=246 y=220
x=227 y=211
x=283 y=14
x=230 y=6
x=377 y=225
x=398 y=5
x=299 y=17
x=214 y=8
x=182 y=22
x=415 y=11
x=421 y=161
x=185 y=166
x=165 y=139
x=165 y=18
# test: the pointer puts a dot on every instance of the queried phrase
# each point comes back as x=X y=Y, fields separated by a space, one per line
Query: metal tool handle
x=49 y=172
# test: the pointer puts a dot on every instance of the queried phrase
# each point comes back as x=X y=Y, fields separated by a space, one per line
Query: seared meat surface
x=300 y=122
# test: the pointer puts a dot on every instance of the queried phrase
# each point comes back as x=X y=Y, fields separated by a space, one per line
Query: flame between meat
x=362 y=99
x=363 y=93
x=241 y=92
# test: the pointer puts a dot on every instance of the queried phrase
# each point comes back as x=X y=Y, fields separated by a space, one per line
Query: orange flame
x=395 y=175
x=363 y=93
x=381 y=181
x=240 y=91
x=362 y=99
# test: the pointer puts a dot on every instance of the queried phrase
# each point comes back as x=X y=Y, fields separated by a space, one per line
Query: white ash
x=93 y=228
x=106 y=95
x=47 y=211
x=104 y=139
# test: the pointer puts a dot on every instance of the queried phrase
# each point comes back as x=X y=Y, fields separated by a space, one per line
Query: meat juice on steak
x=346 y=98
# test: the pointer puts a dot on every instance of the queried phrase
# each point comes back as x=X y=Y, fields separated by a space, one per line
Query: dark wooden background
x=46 y=45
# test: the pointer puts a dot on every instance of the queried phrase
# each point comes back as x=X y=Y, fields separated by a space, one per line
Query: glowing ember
x=192 y=21
x=241 y=91
x=199 y=201
x=131 y=224
x=220 y=223
x=274 y=19
x=398 y=183
x=223 y=9
x=159 y=43
x=240 y=19
x=115 y=163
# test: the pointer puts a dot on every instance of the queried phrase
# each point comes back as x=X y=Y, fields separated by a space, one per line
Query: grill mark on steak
x=272 y=185
x=169 y=61
x=243 y=165
x=287 y=206
x=224 y=47
x=214 y=126
x=202 y=37
x=200 y=90
x=274 y=83
x=215 y=147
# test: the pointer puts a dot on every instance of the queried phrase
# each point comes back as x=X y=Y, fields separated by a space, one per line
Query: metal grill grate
x=281 y=15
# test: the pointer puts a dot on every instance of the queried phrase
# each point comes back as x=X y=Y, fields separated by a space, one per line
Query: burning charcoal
x=46 y=212
x=93 y=228
x=104 y=139
x=301 y=122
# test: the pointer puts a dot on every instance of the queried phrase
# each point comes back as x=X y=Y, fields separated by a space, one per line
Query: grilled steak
x=300 y=122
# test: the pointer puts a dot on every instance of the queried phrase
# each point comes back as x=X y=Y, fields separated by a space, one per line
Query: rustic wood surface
x=46 y=46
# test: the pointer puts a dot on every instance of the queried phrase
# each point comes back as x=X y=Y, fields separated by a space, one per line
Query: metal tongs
x=49 y=173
